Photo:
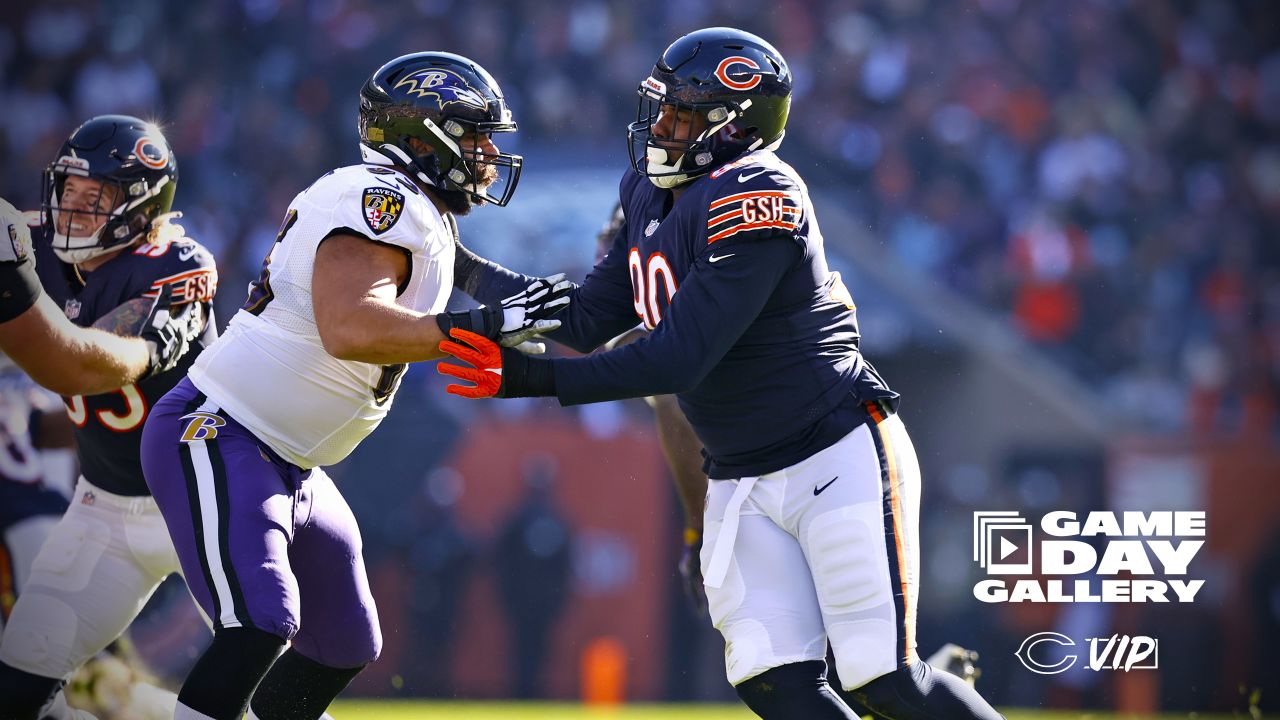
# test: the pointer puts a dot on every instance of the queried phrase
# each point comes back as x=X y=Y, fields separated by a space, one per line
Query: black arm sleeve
x=19 y=288
x=598 y=309
x=485 y=280
x=709 y=312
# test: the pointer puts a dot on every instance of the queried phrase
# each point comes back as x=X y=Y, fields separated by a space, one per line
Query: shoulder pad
x=376 y=202
x=184 y=263
x=753 y=197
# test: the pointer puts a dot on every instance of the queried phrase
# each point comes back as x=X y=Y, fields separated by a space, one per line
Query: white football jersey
x=269 y=370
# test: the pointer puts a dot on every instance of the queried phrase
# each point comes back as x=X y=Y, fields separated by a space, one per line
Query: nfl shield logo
x=382 y=208
x=652 y=227
x=72 y=308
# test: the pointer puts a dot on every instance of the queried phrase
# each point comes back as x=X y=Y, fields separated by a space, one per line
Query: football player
x=65 y=357
x=812 y=512
x=105 y=253
x=353 y=288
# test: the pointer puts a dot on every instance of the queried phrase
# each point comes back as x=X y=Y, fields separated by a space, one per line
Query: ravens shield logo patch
x=382 y=208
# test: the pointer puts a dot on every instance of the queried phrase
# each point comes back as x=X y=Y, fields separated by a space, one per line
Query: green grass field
x=419 y=710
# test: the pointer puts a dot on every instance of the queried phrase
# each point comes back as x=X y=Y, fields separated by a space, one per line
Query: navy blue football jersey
x=752 y=331
x=108 y=427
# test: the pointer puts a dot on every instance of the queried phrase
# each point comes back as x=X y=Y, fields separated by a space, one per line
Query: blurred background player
x=105 y=253
x=351 y=291
x=28 y=508
x=813 y=519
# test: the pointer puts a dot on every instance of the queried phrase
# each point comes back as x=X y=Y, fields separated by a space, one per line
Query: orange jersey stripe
x=180 y=276
x=744 y=227
x=721 y=218
x=786 y=210
x=752 y=194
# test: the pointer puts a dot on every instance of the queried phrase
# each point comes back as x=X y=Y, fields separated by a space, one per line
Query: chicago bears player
x=353 y=288
x=64 y=357
x=812 y=512
x=105 y=252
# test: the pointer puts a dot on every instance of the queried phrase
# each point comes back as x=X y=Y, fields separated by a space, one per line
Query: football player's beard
x=486 y=175
x=461 y=203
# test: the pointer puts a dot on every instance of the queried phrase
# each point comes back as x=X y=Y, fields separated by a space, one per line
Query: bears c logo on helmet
x=151 y=153
x=722 y=73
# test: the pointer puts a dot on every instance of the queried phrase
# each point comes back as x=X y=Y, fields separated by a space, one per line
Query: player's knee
x=919 y=691
x=299 y=688
x=896 y=694
x=40 y=637
x=352 y=644
x=22 y=694
x=794 y=691
x=223 y=679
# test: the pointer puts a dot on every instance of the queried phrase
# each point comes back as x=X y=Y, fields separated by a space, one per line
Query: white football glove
x=526 y=314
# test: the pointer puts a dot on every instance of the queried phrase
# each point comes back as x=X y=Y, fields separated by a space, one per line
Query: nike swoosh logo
x=818 y=490
x=185 y=253
x=718 y=258
x=744 y=178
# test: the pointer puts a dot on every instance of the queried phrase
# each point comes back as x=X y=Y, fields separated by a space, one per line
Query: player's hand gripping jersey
x=270 y=371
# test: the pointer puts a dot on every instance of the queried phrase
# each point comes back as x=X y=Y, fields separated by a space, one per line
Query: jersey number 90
x=648 y=280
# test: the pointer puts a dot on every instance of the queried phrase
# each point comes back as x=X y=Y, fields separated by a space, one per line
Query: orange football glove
x=485 y=359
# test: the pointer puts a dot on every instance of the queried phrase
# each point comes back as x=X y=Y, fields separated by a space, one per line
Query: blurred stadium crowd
x=1105 y=174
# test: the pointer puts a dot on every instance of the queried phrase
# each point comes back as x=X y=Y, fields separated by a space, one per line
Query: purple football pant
x=263 y=543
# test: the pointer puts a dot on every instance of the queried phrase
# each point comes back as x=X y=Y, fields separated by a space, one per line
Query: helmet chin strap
x=656 y=159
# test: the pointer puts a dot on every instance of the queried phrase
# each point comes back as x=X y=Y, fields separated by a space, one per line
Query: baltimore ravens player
x=105 y=252
x=812 y=513
x=352 y=289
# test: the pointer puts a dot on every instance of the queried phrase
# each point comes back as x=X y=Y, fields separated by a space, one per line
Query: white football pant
x=95 y=572
x=824 y=550
x=22 y=541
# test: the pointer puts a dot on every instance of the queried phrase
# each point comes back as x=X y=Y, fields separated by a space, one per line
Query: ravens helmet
x=736 y=83
x=109 y=181
x=436 y=99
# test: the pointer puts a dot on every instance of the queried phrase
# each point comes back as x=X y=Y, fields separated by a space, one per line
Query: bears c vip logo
x=382 y=208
